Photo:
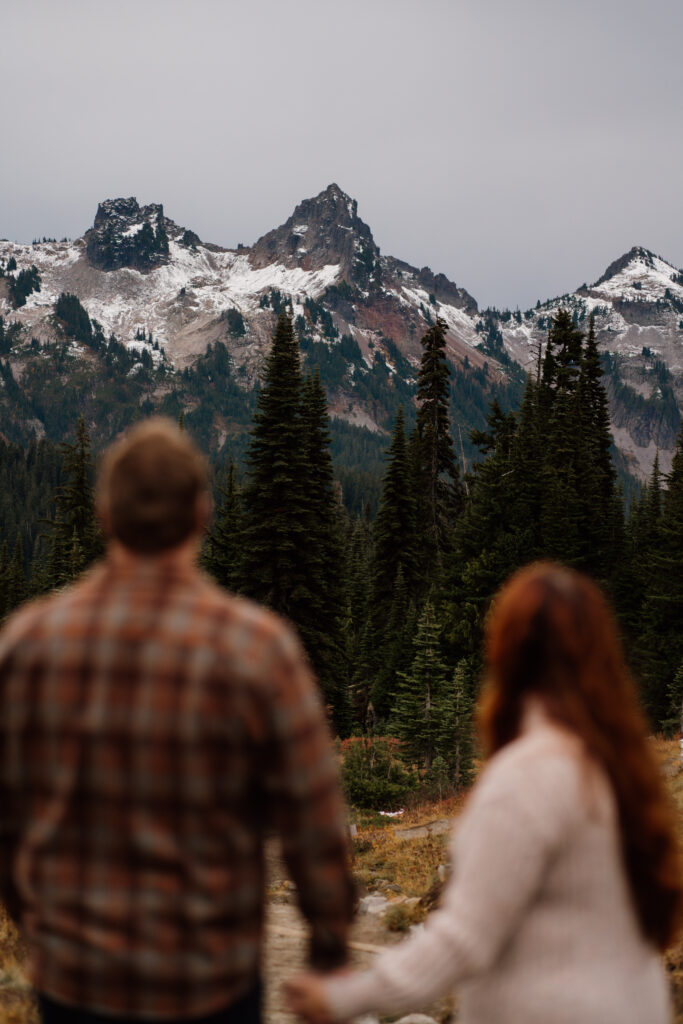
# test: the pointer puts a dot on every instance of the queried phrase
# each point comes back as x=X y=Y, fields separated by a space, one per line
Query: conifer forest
x=389 y=598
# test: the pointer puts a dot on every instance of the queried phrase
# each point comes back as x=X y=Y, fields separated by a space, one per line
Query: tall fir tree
x=4 y=581
x=418 y=712
x=289 y=550
x=275 y=522
x=455 y=741
x=486 y=548
x=324 y=560
x=355 y=623
x=602 y=518
x=661 y=641
x=561 y=509
x=76 y=537
x=16 y=589
x=395 y=527
x=395 y=564
x=641 y=537
x=439 y=488
x=222 y=551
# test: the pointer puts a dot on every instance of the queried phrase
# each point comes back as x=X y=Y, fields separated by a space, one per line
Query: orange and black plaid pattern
x=152 y=728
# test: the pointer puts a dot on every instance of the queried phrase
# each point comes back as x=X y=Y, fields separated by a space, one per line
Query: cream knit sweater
x=536 y=924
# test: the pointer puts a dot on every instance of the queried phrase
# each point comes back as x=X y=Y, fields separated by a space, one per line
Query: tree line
x=391 y=608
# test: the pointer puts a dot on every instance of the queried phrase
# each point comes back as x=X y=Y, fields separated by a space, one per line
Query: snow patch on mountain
x=645 y=278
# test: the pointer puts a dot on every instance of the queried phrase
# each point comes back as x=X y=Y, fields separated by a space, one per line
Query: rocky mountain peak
x=324 y=230
x=332 y=202
x=638 y=254
x=126 y=234
x=117 y=210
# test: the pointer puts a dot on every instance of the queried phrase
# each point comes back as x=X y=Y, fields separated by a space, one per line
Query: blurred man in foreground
x=152 y=728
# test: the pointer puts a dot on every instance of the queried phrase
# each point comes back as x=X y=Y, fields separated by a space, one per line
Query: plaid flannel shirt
x=152 y=729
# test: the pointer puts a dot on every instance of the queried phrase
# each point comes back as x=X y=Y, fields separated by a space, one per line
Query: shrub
x=373 y=777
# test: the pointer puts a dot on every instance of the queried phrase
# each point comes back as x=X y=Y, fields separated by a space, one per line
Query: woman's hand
x=305 y=995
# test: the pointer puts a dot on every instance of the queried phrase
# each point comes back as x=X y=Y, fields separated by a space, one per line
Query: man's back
x=152 y=727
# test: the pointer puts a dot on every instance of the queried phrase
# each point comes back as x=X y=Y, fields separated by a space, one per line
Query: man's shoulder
x=241 y=611
x=250 y=627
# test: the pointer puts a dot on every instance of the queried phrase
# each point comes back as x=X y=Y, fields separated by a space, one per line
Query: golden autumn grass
x=16 y=1000
x=411 y=864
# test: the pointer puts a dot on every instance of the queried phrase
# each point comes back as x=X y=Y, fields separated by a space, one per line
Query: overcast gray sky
x=519 y=146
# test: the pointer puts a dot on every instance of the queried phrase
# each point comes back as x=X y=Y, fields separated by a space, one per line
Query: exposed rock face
x=654 y=419
x=127 y=235
x=644 y=312
x=322 y=231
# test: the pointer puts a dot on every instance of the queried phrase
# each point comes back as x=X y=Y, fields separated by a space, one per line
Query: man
x=152 y=728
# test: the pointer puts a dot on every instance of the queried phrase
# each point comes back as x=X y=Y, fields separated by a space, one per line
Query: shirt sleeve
x=307 y=807
x=505 y=842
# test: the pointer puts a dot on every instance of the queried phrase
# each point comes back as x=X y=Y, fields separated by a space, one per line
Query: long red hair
x=551 y=634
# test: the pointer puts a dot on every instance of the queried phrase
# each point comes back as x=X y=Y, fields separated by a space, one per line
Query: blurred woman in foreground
x=566 y=878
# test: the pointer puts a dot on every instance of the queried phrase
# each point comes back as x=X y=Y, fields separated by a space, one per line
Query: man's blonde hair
x=148 y=486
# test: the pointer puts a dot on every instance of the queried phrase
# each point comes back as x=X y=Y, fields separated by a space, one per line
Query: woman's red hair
x=551 y=634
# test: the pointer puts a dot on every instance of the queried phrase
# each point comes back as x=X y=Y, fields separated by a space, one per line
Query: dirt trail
x=284 y=954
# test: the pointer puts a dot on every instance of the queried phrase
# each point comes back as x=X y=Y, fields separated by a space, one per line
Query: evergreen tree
x=527 y=459
x=76 y=537
x=396 y=648
x=274 y=496
x=676 y=700
x=223 y=544
x=357 y=576
x=455 y=741
x=561 y=516
x=661 y=642
x=39 y=580
x=394 y=532
x=17 y=591
x=59 y=568
x=395 y=565
x=419 y=704
x=288 y=505
x=324 y=562
x=439 y=485
x=602 y=520
x=642 y=537
x=487 y=547
x=4 y=581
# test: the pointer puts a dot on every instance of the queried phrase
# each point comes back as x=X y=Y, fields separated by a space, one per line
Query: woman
x=566 y=878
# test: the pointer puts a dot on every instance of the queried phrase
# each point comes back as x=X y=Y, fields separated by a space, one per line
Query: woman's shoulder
x=544 y=774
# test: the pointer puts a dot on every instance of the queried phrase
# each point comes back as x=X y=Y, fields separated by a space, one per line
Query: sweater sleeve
x=518 y=817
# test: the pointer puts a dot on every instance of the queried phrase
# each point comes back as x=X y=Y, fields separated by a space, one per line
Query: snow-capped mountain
x=139 y=274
